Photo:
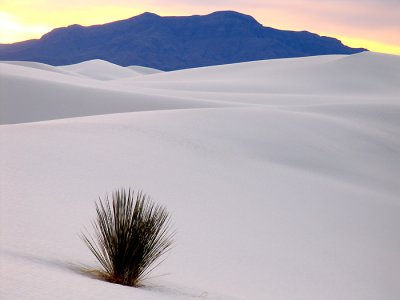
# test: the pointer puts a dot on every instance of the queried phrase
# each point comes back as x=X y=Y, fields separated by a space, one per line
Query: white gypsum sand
x=281 y=176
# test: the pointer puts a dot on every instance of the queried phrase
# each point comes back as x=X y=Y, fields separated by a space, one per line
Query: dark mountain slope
x=170 y=43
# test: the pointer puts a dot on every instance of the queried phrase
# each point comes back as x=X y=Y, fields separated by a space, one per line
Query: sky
x=372 y=24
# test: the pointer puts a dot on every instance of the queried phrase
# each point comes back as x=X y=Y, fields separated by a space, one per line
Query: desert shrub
x=131 y=233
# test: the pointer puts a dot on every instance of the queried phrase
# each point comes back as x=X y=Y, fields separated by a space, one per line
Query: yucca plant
x=131 y=234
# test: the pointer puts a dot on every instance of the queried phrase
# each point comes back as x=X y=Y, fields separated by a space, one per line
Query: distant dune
x=32 y=93
x=102 y=70
x=144 y=70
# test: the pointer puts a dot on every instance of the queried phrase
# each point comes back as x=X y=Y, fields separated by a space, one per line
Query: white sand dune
x=330 y=74
x=103 y=70
x=144 y=70
x=29 y=94
x=315 y=80
x=281 y=177
x=40 y=66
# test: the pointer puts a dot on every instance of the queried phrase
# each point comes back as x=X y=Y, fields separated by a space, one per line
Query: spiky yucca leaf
x=131 y=234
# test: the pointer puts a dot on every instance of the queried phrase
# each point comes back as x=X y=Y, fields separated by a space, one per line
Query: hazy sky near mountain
x=374 y=24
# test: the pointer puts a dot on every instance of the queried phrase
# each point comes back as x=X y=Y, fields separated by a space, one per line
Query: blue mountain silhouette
x=171 y=43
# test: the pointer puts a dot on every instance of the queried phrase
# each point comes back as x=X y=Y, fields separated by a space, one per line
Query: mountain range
x=172 y=43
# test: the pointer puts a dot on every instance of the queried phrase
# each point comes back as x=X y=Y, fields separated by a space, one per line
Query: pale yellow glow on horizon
x=13 y=30
x=371 y=45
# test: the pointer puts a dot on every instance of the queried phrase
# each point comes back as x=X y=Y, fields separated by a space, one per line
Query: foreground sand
x=282 y=176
